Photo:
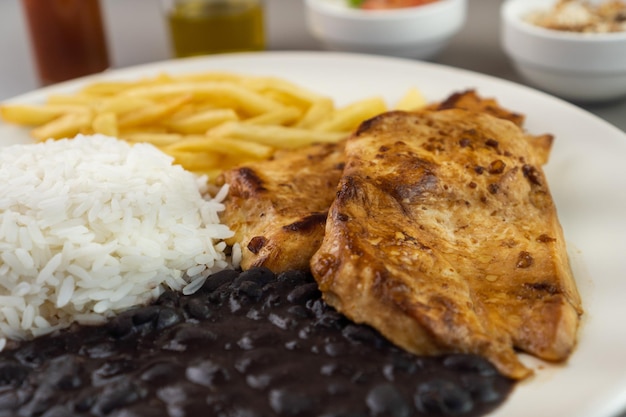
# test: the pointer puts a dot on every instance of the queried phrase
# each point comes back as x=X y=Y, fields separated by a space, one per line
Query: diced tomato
x=392 y=4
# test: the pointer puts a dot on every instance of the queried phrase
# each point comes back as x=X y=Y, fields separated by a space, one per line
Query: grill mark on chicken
x=530 y=172
x=256 y=244
x=524 y=260
x=307 y=223
x=543 y=287
x=251 y=182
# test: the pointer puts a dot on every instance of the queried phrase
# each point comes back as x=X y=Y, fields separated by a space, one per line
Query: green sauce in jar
x=200 y=27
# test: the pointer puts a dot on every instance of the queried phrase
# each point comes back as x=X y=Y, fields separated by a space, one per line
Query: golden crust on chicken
x=444 y=237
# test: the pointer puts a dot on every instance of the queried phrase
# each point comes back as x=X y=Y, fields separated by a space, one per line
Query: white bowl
x=585 y=67
x=413 y=32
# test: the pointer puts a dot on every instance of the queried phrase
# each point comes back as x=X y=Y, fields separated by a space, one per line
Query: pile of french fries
x=207 y=122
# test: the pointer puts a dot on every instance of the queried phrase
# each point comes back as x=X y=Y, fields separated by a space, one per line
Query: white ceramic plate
x=587 y=175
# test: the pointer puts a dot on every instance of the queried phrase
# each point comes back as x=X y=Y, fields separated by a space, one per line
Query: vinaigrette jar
x=200 y=27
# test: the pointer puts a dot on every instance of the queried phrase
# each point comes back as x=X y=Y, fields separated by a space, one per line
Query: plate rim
x=611 y=133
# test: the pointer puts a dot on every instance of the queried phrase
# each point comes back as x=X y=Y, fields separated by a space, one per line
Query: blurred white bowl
x=413 y=32
x=585 y=67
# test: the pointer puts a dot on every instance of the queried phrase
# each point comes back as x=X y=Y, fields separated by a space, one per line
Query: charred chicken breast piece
x=444 y=237
x=278 y=208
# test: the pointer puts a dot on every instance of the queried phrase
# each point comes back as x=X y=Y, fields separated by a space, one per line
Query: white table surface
x=137 y=34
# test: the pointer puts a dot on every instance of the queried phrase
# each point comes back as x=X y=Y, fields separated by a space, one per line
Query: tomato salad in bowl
x=387 y=4
x=419 y=32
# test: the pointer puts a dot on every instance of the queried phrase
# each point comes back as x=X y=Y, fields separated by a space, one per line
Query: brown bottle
x=67 y=37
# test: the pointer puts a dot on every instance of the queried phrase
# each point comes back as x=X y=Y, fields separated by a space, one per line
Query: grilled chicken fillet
x=444 y=237
x=278 y=208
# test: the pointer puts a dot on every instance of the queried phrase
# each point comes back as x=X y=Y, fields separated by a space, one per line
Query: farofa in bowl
x=577 y=16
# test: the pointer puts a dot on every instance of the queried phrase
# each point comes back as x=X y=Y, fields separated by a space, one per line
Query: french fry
x=113 y=88
x=65 y=126
x=285 y=91
x=29 y=115
x=211 y=76
x=200 y=122
x=152 y=114
x=282 y=137
x=119 y=105
x=108 y=88
x=283 y=116
x=194 y=107
x=412 y=100
x=204 y=143
x=319 y=111
x=105 y=123
x=350 y=117
x=227 y=94
x=80 y=99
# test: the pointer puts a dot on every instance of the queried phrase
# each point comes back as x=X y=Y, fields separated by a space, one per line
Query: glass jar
x=67 y=37
x=199 y=27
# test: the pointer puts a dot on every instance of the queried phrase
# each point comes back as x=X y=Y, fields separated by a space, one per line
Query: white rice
x=91 y=226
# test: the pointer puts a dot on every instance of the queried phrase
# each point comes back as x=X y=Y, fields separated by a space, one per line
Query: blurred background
x=137 y=33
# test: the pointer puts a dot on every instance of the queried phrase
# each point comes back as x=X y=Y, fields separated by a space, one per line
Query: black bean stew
x=245 y=345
